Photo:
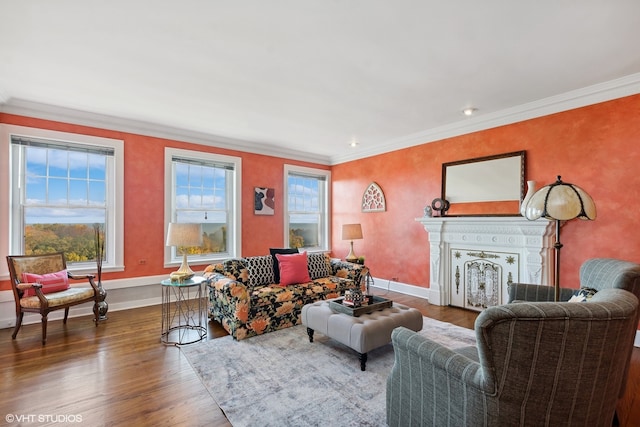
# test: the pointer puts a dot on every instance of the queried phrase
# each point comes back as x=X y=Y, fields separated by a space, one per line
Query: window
x=203 y=188
x=307 y=208
x=64 y=187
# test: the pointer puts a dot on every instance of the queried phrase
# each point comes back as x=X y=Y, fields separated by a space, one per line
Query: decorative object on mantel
x=427 y=211
x=103 y=307
x=440 y=205
x=373 y=199
x=351 y=232
x=183 y=235
x=560 y=201
x=531 y=189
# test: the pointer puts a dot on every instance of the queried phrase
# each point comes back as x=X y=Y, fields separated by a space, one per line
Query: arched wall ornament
x=373 y=199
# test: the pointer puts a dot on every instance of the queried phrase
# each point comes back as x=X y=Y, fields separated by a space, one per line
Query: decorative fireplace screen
x=481 y=278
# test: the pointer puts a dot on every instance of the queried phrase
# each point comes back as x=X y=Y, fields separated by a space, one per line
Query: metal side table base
x=182 y=312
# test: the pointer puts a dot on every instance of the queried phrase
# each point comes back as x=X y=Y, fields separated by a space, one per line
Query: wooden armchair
x=40 y=284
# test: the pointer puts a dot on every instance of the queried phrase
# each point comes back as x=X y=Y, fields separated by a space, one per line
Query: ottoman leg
x=363 y=360
x=310 y=333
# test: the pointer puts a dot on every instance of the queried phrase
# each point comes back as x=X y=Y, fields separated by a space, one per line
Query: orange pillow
x=293 y=269
x=51 y=282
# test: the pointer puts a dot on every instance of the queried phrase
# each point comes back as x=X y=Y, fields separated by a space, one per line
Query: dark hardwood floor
x=119 y=374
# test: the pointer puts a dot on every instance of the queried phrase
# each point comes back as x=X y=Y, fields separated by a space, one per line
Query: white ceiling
x=307 y=77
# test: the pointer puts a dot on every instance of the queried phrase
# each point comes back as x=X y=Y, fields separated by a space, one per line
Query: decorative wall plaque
x=373 y=199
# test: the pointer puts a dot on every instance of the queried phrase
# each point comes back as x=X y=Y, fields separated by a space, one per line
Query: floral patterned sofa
x=245 y=297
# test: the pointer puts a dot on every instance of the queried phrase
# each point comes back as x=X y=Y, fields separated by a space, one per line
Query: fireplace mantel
x=529 y=243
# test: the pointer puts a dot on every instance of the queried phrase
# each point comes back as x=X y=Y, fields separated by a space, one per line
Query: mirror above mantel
x=485 y=186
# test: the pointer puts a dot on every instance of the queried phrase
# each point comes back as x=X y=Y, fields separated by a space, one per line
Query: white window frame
x=234 y=191
x=11 y=218
x=325 y=199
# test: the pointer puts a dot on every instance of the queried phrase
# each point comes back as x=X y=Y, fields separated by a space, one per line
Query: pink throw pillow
x=293 y=269
x=51 y=282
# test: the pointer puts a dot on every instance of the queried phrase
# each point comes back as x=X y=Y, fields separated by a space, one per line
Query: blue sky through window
x=64 y=186
x=200 y=191
x=304 y=200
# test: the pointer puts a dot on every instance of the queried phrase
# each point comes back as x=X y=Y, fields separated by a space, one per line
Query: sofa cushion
x=276 y=266
x=51 y=282
x=299 y=293
x=55 y=299
x=293 y=269
x=319 y=265
x=260 y=270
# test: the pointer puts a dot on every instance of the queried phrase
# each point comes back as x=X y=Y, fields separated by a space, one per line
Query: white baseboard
x=126 y=294
x=403 y=288
x=122 y=294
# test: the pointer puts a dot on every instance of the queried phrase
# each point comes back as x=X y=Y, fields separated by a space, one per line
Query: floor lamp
x=557 y=202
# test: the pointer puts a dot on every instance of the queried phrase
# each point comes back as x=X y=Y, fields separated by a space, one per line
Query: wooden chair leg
x=66 y=314
x=44 y=329
x=19 y=317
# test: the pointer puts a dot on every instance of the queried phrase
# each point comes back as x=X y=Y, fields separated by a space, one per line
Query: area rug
x=281 y=379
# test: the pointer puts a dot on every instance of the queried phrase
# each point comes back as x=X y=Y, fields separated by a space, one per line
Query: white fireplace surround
x=532 y=241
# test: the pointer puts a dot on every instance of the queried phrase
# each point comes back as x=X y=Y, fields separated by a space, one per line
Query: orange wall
x=144 y=196
x=596 y=147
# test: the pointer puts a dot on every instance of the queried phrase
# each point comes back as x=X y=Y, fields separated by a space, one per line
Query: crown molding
x=618 y=88
x=26 y=108
x=607 y=91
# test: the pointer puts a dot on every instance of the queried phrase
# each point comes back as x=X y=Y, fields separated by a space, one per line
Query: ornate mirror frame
x=485 y=186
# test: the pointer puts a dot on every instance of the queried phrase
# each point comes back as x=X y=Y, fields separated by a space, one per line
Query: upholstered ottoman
x=363 y=333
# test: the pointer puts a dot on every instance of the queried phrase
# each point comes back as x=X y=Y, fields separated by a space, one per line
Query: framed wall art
x=264 y=201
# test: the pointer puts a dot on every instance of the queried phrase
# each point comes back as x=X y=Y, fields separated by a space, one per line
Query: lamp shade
x=184 y=234
x=561 y=201
x=351 y=232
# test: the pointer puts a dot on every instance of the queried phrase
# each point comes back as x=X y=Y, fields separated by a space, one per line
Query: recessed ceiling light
x=353 y=143
x=469 y=111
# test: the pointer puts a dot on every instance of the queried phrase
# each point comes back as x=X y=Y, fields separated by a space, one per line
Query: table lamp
x=557 y=202
x=351 y=232
x=183 y=235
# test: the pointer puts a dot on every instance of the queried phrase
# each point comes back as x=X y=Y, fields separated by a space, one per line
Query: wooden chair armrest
x=88 y=277
x=37 y=287
x=80 y=276
x=24 y=286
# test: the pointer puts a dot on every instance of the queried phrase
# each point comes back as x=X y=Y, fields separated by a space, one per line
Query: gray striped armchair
x=596 y=273
x=535 y=363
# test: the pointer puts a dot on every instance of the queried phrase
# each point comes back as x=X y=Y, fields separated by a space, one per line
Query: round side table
x=183 y=311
